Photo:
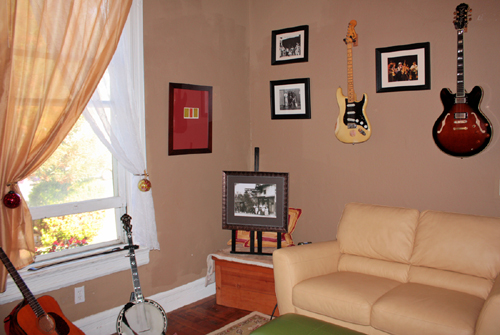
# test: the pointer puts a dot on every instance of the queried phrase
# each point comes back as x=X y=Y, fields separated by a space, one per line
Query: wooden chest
x=245 y=286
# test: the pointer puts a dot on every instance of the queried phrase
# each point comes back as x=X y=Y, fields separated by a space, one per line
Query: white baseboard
x=104 y=323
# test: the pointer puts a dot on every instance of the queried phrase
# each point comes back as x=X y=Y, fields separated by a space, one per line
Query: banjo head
x=147 y=318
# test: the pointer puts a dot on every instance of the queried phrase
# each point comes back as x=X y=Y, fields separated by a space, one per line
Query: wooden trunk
x=245 y=286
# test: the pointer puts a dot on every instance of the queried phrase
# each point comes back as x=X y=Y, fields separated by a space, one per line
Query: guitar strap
x=10 y=322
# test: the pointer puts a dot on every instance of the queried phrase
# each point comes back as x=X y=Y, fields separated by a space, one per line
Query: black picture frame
x=255 y=201
x=290 y=45
x=390 y=78
x=290 y=99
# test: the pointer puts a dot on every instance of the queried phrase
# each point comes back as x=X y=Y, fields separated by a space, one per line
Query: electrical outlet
x=79 y=294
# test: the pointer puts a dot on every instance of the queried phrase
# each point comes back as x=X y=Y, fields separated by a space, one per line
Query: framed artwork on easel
x=256 y=201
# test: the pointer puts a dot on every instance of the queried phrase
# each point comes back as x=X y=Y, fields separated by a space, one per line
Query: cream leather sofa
x=397 y=271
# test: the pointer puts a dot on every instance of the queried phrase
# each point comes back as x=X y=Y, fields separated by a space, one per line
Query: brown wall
x=193 y=42
x=399 y=165
x=226 y=44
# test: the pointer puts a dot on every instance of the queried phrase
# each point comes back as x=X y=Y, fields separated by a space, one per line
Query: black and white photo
x=290 y=99
x=255 y=200
x=290 y=45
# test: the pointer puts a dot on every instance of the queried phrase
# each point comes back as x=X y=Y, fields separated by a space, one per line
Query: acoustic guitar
x=139 y=315
x=32 y=316
x=462 y=130
x=352 y=124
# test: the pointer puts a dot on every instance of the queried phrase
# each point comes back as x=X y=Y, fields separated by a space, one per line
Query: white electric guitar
x=352 y=124
x=139 y=316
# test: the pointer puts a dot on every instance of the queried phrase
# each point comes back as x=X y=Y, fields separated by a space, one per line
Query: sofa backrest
x=456 y=251
x=377 y=240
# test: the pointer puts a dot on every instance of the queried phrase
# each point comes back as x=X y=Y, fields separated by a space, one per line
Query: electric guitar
x=352 y=124
x=462 y=130
x=32 y=316
x=139 y=316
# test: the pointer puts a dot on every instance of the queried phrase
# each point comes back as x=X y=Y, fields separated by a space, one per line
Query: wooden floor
x=201 y=317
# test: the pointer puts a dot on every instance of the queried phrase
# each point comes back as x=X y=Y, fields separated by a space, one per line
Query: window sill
x=71 y=273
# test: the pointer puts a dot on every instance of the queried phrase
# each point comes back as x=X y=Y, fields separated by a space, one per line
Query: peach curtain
x=52 y=56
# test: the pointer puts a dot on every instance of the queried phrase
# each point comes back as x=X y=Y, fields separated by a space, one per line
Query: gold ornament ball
x=144 y=185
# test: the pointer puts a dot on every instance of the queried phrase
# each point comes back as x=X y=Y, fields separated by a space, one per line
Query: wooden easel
x=252 y=232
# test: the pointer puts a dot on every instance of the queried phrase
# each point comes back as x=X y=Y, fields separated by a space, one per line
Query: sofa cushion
x=374 y=267
x=345 y=296
x=456 y=242
x=378 y=232
x=451 y=280
x=415 y=309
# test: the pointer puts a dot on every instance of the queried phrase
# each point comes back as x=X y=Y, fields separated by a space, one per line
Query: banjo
x=139 y=316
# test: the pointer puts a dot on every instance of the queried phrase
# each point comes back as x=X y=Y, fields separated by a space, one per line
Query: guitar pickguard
x=62 y=327
x=354 y=117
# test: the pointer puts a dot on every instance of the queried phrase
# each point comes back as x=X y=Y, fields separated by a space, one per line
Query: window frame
x=118 y=203
x=71 y=268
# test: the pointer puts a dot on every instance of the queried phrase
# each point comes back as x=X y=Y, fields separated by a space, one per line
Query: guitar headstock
x=127 y=226
x=462 y=16
x=351 y=36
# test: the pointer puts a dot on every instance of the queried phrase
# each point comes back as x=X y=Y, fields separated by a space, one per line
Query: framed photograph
x=290 y=45
x=255 y=201
x=190 y=119
x=403 y=68
x=290 y=99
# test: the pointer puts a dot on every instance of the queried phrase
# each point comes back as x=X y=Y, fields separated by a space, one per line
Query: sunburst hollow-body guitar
x=352 y=124
x=35 y=316
x=462 y=130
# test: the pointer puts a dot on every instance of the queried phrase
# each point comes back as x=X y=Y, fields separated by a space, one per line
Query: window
x=79 y=195
x=76 y=197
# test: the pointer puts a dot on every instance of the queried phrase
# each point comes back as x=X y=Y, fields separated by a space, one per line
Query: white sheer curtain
x=115 y=113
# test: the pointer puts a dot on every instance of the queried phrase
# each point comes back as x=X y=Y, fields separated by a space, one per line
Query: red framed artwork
x=190 y=119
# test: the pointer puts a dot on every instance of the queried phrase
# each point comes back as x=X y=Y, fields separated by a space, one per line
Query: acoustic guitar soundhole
x=61 y=325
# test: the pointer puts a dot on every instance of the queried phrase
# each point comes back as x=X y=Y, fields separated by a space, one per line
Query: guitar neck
x=28 y=296
x=460 y=98
x=135 y=273
x=351 y=96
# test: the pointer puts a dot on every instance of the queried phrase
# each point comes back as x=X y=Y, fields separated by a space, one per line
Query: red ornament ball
x=12 y=200
x=144 y=185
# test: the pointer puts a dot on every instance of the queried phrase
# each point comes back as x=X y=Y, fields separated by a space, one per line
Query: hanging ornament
x=12 y=200
x=144 y=184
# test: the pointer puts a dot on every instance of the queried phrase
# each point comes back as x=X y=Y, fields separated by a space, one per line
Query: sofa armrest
x=295 y=264
x=488 y=322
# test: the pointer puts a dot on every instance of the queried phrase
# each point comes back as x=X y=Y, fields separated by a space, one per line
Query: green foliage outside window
x=80 y=169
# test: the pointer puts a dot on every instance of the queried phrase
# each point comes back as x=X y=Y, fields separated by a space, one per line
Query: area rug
x=243 y=326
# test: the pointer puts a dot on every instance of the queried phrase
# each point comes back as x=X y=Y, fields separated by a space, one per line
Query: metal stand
x=252 y=232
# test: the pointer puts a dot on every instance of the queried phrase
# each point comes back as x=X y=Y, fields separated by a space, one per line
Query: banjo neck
x=139 y=298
